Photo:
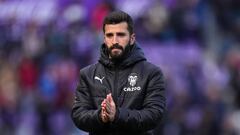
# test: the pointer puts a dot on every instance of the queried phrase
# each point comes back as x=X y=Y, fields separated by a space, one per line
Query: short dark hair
x=116 y=17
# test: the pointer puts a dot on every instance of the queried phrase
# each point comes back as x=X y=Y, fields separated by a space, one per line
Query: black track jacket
x=137 y=87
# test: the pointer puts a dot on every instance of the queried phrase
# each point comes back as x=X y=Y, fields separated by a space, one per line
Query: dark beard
x=122 y=55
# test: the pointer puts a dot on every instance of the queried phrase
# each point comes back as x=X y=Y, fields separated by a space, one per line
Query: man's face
x=117 y=38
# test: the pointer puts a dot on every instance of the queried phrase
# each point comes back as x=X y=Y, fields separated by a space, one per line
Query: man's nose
x=115 y=39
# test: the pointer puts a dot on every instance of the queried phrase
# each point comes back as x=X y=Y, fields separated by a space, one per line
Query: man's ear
x=132 y=39
x=104 y=39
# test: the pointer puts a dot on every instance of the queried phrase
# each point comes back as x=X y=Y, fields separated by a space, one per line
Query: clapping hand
x=108 y=109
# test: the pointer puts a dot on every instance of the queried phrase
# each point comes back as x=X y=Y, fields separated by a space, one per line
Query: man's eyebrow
x=118 y=33
x=109 y=34
x=121 y=33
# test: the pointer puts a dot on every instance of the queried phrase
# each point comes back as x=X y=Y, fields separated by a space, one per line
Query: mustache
x=116 y=46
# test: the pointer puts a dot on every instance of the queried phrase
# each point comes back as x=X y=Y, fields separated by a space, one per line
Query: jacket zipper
x=115 y=87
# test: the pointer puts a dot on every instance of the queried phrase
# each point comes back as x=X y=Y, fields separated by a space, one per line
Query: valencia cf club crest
x=132 y=80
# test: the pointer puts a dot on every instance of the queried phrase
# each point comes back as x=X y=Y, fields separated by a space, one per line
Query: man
x=123 y=93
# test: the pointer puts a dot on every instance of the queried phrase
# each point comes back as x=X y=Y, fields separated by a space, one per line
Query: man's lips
x=116 y=49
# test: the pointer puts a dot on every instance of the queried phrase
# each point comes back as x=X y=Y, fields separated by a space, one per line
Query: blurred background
x=44 y=44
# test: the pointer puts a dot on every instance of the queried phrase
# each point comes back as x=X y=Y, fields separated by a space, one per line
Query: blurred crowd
x=44 y=44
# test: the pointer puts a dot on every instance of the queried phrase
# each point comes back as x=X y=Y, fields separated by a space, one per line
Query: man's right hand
x=108 y=109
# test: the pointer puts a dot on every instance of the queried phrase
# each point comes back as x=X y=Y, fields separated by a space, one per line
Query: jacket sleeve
x=153 y=108
x=84 y=115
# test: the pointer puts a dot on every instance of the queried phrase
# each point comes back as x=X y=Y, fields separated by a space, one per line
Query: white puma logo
x=97 y=78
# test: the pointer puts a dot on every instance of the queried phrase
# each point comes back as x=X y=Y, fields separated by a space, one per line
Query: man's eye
x=121 y=34
x=109 y=35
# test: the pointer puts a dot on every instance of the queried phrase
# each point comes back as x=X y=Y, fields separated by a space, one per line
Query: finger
x=110 y=102
x=110 y=99
x=103 y=109
x=105 y=114
x=107 y=101
x=108 y=108
x=104 y=118
x=108 y=95
x=103 y=102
